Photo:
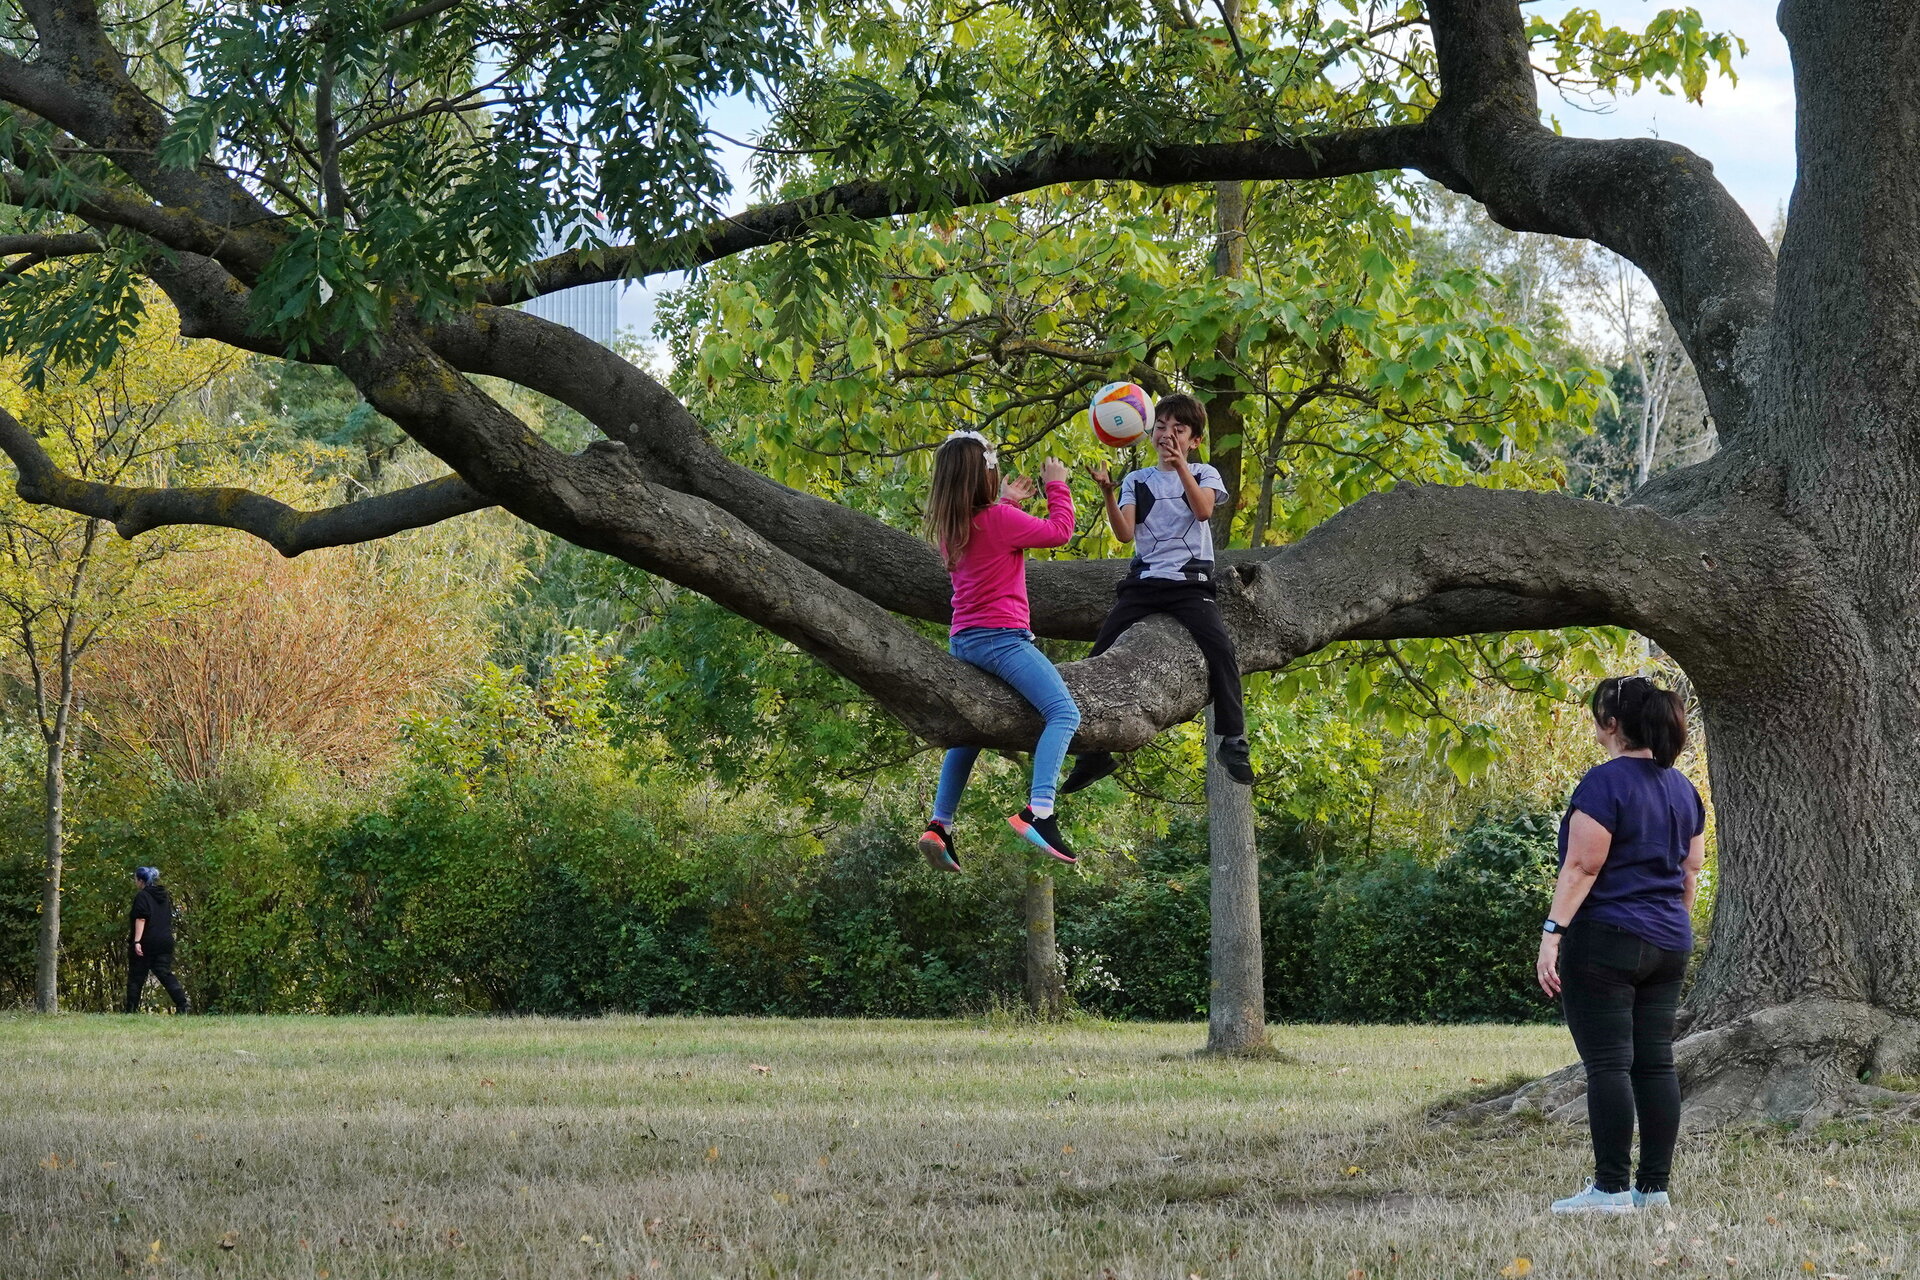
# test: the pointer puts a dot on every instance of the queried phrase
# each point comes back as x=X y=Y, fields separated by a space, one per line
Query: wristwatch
x=1553 y=926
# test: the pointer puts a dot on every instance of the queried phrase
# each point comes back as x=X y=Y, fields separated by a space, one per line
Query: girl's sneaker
x=1651 y=1199
x=1042 y=833
x=1594 y=1200
x=936 y=846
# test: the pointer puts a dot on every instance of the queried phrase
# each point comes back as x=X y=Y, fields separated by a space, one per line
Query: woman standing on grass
x=1631 y=846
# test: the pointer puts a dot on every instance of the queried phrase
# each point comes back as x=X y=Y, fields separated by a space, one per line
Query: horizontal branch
x=50 y=246
x=1324 y=156
x=133 y=511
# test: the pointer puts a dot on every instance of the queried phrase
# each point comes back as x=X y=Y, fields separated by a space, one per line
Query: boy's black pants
x=160 y=965
x=1193 y=606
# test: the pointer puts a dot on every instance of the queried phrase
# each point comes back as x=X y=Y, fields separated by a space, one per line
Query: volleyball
x=1119 y=413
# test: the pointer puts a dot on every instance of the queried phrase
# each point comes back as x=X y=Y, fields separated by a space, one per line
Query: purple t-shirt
x=1653 y=813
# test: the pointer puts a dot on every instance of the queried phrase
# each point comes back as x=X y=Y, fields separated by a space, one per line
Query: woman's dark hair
x=1648 y=716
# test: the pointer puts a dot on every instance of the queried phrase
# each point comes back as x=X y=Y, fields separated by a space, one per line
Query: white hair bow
x=993 y=454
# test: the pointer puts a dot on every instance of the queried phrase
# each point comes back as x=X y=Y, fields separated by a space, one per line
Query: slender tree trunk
x=1236 y=988
x=1236 y=993
x=46 y=995
x=1046 y=979
x=47 y=976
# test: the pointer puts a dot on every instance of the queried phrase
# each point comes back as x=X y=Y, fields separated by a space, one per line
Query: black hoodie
x=154 y=905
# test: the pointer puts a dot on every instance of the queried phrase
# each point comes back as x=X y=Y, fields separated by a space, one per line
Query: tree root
x=1795 y=1064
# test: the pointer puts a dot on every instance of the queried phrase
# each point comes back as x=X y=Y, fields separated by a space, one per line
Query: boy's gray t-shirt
x=1171 y=544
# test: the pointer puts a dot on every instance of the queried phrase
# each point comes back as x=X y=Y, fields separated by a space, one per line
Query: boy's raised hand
x=1102 y=478
x=1053 y=471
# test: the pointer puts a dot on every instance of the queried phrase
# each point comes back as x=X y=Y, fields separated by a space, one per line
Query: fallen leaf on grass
x=231 y=1240
x=1067 y=1150
x=781 y=1197
x=486 y=1084
x=1354 y=1171
x=53 y=1161
x=1481 y=1080
x=1517 y=1268
x=754 y=1066
x=713 y=1153
x=1357 y=1274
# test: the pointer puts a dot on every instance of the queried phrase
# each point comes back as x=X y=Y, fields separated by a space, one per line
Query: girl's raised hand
x=1016 y=489
x=1053 y=471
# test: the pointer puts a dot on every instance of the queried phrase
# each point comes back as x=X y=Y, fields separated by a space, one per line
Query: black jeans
x=160 y=965
x=1620 y=994
x=1192 y=605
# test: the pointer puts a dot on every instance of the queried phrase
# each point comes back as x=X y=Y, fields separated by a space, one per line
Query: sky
x=1744 y=130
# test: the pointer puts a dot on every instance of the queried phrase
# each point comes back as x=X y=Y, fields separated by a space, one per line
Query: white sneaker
x=1594 y=1200
x=1651 y=1200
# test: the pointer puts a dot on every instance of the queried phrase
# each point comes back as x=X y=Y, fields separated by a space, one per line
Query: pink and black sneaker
x=936 y=846
x=1042 y=833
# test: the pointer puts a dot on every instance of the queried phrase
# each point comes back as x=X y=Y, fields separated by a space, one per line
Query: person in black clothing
x=150 y=946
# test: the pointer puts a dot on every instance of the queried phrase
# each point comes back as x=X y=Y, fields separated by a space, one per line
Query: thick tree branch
x=1656 y=204
x=1325 y=156
x=289 y=530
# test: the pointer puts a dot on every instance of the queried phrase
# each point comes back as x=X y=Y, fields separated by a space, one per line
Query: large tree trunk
x=1046 y=980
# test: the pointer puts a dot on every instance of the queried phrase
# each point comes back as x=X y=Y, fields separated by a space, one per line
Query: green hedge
x=575 y=886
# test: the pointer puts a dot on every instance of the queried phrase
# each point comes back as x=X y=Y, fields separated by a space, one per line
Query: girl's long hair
x=1648 y=715
x=963 y=486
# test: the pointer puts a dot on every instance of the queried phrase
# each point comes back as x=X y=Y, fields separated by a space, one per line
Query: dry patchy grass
x=337 y=1149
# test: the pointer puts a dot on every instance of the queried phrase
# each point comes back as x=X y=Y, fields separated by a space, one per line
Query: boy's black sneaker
x=1042 y=833
x=1237 y=759
x=1089 y=769
x=936 y=846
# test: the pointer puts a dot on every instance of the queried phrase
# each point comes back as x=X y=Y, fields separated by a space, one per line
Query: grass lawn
x=335 y=1149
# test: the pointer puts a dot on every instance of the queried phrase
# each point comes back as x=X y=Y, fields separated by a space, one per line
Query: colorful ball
x=1120 y=413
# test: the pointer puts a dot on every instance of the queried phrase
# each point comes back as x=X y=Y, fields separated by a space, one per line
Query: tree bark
x=1236 y=987
x=46 y=989
x=1236 y=992
x=54 y=731
x=1046 y=979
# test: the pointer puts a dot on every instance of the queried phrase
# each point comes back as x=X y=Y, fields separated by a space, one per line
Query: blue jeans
x=1009 y=652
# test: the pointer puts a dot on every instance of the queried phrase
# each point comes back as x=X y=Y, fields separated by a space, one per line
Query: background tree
x=66 y=583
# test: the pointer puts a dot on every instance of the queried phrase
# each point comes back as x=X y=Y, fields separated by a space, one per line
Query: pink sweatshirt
x=990 y=586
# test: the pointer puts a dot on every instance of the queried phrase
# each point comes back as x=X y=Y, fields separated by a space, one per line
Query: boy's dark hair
x=1182 y=407
x=1647 y=715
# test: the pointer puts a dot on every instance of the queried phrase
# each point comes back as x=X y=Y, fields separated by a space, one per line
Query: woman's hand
x=138 y=950
x=1053 y=471
x=1016 y=489
x=1547 y=966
